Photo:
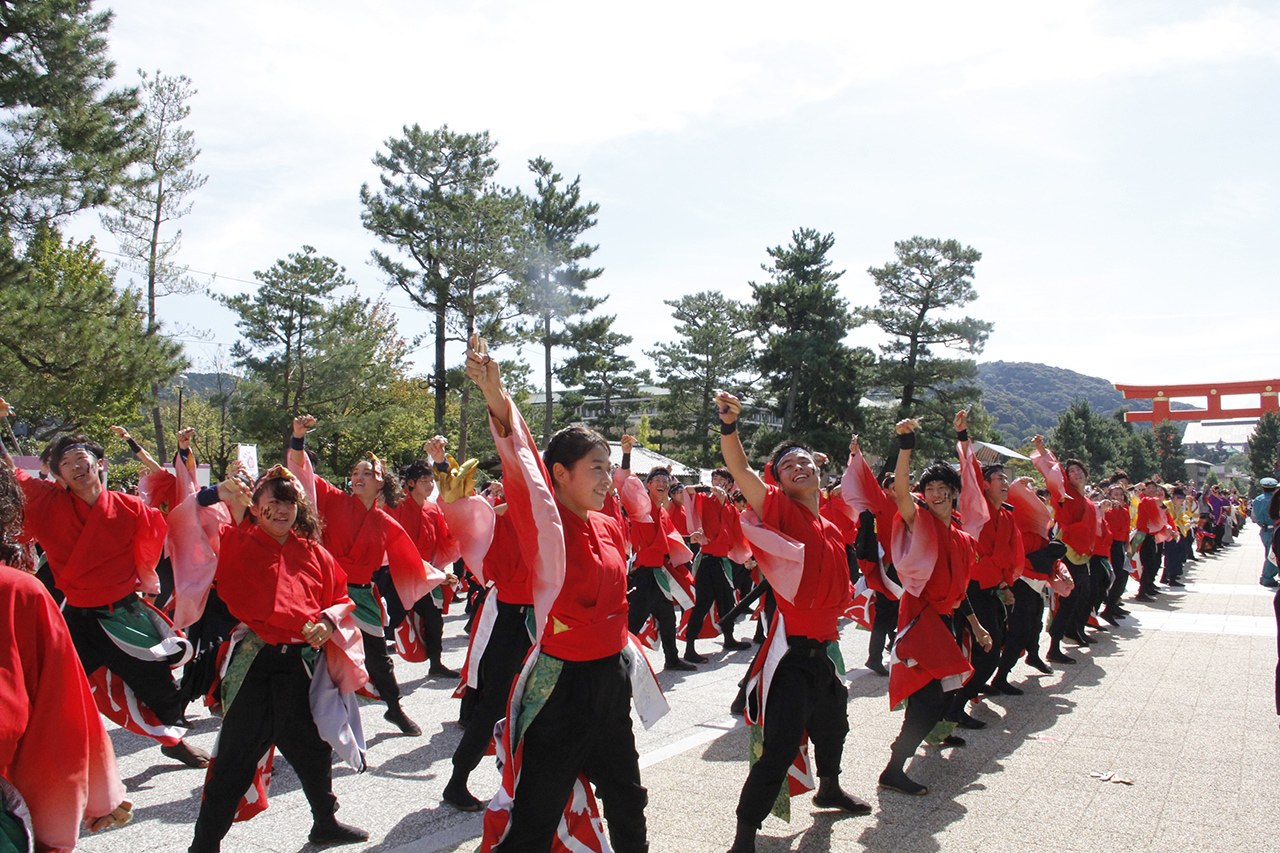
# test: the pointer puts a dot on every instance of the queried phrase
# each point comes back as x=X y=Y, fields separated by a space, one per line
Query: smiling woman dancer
x=292 y=596
x=359 y=533
x=575 y=712
x=807 y=692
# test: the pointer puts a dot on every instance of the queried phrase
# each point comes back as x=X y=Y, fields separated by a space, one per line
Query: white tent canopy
x=643 y=460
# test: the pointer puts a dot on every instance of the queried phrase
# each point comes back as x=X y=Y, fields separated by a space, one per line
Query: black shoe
x=693 y=657
x=896 y=780
x=1037 y=663
x=842 y=800
x=323 y=835
x=1078 y=638
x=1270 y=584
x=953 y=740
x=439 y=670
x=460 y=798
x=877 y=667
x=1111 y=618
x=1120 y=611
x=1059 y=657
x=398 y=718
x=677 y=665
x=1145 y=597
x=732 y=645
x=1006 y=688
x=1177 y=584
x=968 y=722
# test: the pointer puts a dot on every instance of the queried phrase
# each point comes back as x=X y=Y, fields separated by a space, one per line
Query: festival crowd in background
x=279 y=603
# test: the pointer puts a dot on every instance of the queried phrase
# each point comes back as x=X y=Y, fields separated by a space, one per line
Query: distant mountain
x=198 y=385
x=1026 y=397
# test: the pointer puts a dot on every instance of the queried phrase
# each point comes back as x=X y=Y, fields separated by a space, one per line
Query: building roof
x=644 y=460
x=1233 y=433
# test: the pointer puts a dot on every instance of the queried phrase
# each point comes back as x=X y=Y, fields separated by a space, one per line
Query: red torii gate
x=1267 y=389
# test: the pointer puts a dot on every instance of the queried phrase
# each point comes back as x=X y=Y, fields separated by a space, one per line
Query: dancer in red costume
x=102 y=547
x=359 y=533
x=291 y=596
x=934 y=558
x=56 y=761
x=806 y=694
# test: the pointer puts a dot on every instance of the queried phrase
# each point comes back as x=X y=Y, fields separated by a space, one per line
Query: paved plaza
x=1179 y=701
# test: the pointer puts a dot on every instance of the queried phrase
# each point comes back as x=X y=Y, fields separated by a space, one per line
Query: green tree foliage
x=605 y=377
x=159 y=195
x=66 y=141
x=1264 y=447
x=553 y=279
x=75 y=352
x=306 y=349
x=1104 y=444
x=712 y=349
x=928 y=279
x=1173 y=459
x=815 y=378
x=438 y=207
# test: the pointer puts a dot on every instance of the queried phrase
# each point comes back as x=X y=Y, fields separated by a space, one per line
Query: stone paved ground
x=1179 y=699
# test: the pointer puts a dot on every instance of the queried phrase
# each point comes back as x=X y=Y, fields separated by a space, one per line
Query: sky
x=1113 y=161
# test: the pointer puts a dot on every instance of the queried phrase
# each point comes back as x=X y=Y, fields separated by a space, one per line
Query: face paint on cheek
x=267 y=514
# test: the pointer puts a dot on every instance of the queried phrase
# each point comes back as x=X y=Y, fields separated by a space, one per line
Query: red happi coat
x=360 y=539
x=53 y=747
x=934 y=561
x=99 y=554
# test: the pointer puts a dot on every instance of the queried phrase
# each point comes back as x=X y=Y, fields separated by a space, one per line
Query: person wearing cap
x=1263 y=520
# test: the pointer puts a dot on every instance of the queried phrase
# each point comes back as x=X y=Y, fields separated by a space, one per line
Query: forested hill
x=1026 y=397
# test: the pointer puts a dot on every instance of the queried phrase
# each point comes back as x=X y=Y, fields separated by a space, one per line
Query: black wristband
x=906 y=440
x=442 y=467
x=184 y=452
x=208 y=496
x=962 y=435
x=134 y=447
x=728 y=428
x=626 y=460
x=296 y=443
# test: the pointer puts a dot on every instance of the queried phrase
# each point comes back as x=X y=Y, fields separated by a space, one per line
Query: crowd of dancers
x=277 y=599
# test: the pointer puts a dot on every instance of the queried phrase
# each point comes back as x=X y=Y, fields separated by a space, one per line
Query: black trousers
x=503 y=656
x=807 y=694
x=711 y=586
x=644 y=599
x=883 y=628
x=1120 y=568
x=1025 y=621
x=432 y=618
x=1100 y=579
x=151 y=680
x=272 y=707
x=585 y=726
x=1149 y=559
x=990 y=611
x=925 y=709
x=1175 y=555
x=1073 y=610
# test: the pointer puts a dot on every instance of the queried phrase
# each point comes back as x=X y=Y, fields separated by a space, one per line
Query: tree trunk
x=438 y=384
x=546 y=378
x=151 y=317
x=161 y=455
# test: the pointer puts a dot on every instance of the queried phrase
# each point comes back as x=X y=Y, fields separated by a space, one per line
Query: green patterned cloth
x=243 y=656
x=542 y=680
x=755 y=748
x=367 y=613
